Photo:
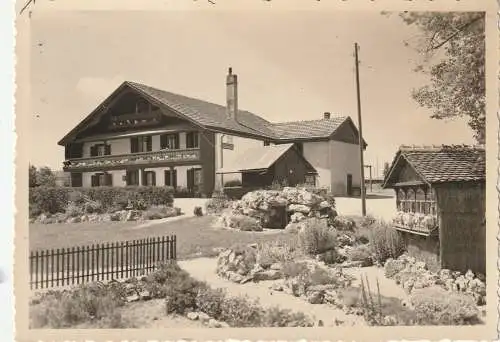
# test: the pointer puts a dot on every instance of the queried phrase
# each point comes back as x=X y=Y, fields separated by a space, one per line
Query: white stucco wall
x=118 y=146
x=318 y=154
x=344 y=159
x=230 y=156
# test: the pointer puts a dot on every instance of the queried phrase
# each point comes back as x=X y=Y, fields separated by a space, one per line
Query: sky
x=291 y=65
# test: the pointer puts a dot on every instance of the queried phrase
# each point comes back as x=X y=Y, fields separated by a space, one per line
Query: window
x=171 y=178
x=132 y=177
x=169 y=141
x=192 y=140
x=141 y=144
x=416 y=200
x=76 y=179
x=102 y=179
x=100 y=150
x=310 y=180
x=149 y=178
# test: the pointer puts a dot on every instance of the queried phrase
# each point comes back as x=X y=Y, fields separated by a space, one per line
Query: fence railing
x=116 y=260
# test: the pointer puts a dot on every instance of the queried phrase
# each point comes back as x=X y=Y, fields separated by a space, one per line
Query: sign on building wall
x=227 y=146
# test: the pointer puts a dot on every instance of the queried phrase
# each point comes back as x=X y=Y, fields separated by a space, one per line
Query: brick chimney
x=231 y=94
x=326 y=115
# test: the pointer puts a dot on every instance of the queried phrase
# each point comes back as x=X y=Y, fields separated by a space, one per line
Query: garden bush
x=198 y=211
x=361 y=253
x=436 y=306
x=98 y=199
x=276 y=317
x=217 y=203
x=385 y=242
x=316 y=237
x=88 y=303
x=276 y=251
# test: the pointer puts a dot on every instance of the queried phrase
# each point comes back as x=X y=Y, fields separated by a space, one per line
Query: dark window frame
x=193 y=140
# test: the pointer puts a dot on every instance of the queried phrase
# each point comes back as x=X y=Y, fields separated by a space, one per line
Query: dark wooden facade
x=458 y=241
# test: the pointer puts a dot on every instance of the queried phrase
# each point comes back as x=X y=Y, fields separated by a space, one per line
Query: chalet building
x=441 y=201
x=140 y=135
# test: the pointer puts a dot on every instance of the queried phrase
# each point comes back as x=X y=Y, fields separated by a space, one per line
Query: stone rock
x=192 y=316
x=133 y=215
x=297 y=217
x=276 y=266
x=74 y=219
x=84 y=218
x=132 y=298
x=93 y=218
x=106 y=218
x=315 y=297
x=277 y=286
x=267 y=275
x=145 y=295
x=203 y=316
x=299 y=208
x=213 y=323
x=234 y=277
x=115 y=216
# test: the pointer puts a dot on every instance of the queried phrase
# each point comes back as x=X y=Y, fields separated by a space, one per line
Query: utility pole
x=361 y=145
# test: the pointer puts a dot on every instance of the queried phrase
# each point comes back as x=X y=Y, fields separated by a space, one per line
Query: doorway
x=349 y=184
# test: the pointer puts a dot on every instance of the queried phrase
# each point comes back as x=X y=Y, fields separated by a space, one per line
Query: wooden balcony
x=427 y=224
x=120 y=161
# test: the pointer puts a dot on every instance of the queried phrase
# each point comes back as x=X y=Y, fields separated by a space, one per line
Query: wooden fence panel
x=83 y=264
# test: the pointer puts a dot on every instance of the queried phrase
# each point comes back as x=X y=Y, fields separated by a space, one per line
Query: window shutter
x=163 y=141
x=153 y=178
x=166 y=174
x=107 y=149
x=176 y=139
x=93 y=180
x=149 y=144
x=175 y=179
x=109 y=179
x=93 y=151
x=134 y=145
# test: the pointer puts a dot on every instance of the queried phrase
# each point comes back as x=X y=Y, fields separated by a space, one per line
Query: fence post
x=121 y=259
x=77 y=264
x=108 y=265
x=127 y=262
x=36 y=270
x=31 y=270
x=97 y=250
x=58 y=275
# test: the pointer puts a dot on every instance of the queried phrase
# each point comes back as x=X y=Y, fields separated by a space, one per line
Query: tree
x=42 y=176
x=457 y=78
x=386 y=169
x=32 y=176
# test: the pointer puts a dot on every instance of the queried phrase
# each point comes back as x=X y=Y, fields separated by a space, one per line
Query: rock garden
x=315 y=263
x=104 y=204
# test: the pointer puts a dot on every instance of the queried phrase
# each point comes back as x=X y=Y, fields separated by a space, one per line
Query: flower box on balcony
x=419 y=223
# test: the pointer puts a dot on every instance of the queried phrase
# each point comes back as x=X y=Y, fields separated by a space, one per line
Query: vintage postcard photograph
x=201 y=170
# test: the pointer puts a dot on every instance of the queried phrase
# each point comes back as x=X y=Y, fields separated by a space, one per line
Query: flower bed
x=413 y=275
x=417 y=221
x=183 y=295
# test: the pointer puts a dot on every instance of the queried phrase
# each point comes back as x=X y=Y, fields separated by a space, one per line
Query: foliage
x=42 y=176
x=88 y=303
x=53 y=200
x=316 y=237
x=436 y=306
x=276 y=317
x=276 y=251
x=456 y=42
x=198 y=211
x=385 y=242
x=361 y=253
x=393 y=267
x=217 y=203
x=245 y=223
x=343 y=223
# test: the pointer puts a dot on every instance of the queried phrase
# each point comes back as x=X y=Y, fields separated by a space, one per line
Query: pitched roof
x=307 y=128
x=445 y=163
x=213 y=116
x=257 y=158
x=206 y=113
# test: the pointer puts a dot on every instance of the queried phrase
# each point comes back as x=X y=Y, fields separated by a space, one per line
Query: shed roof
x=441 y=164
x=257 y=158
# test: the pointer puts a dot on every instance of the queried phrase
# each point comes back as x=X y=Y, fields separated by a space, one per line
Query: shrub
x=436 y=306
x=343 y=223
x=361 y=253
x=393 y=267
x=51 y=200
x=316 y=238
x=197 y=211
x=73 y=210
x=276 y=251
x=210 y=301
x=87 y=303
x=276 y=317
x=386 y=242
x=217 y=203
x=181 y=292
x=245 y=223
x=232 y=183
x=293 y=269
x=242 y=312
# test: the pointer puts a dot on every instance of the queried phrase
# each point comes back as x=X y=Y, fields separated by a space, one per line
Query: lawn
x=195 y=235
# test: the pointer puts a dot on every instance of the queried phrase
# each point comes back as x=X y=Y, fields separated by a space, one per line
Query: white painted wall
x=344 y=161
x=318 y=154
x=229 y=157
x=118 y=146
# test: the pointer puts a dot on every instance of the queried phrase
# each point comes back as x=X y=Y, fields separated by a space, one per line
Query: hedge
x=51 y=200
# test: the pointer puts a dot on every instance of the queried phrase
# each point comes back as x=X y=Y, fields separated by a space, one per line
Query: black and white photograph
x=258 y=169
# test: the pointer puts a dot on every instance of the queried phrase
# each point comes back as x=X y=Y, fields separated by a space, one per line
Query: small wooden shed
x=261 y=166
x=441 y=203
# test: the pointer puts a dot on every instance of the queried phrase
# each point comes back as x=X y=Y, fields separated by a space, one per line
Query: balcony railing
x=416 y=223
x=142 y=158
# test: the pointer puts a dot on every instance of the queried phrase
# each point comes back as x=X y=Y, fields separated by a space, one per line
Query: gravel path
x=204 y=269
